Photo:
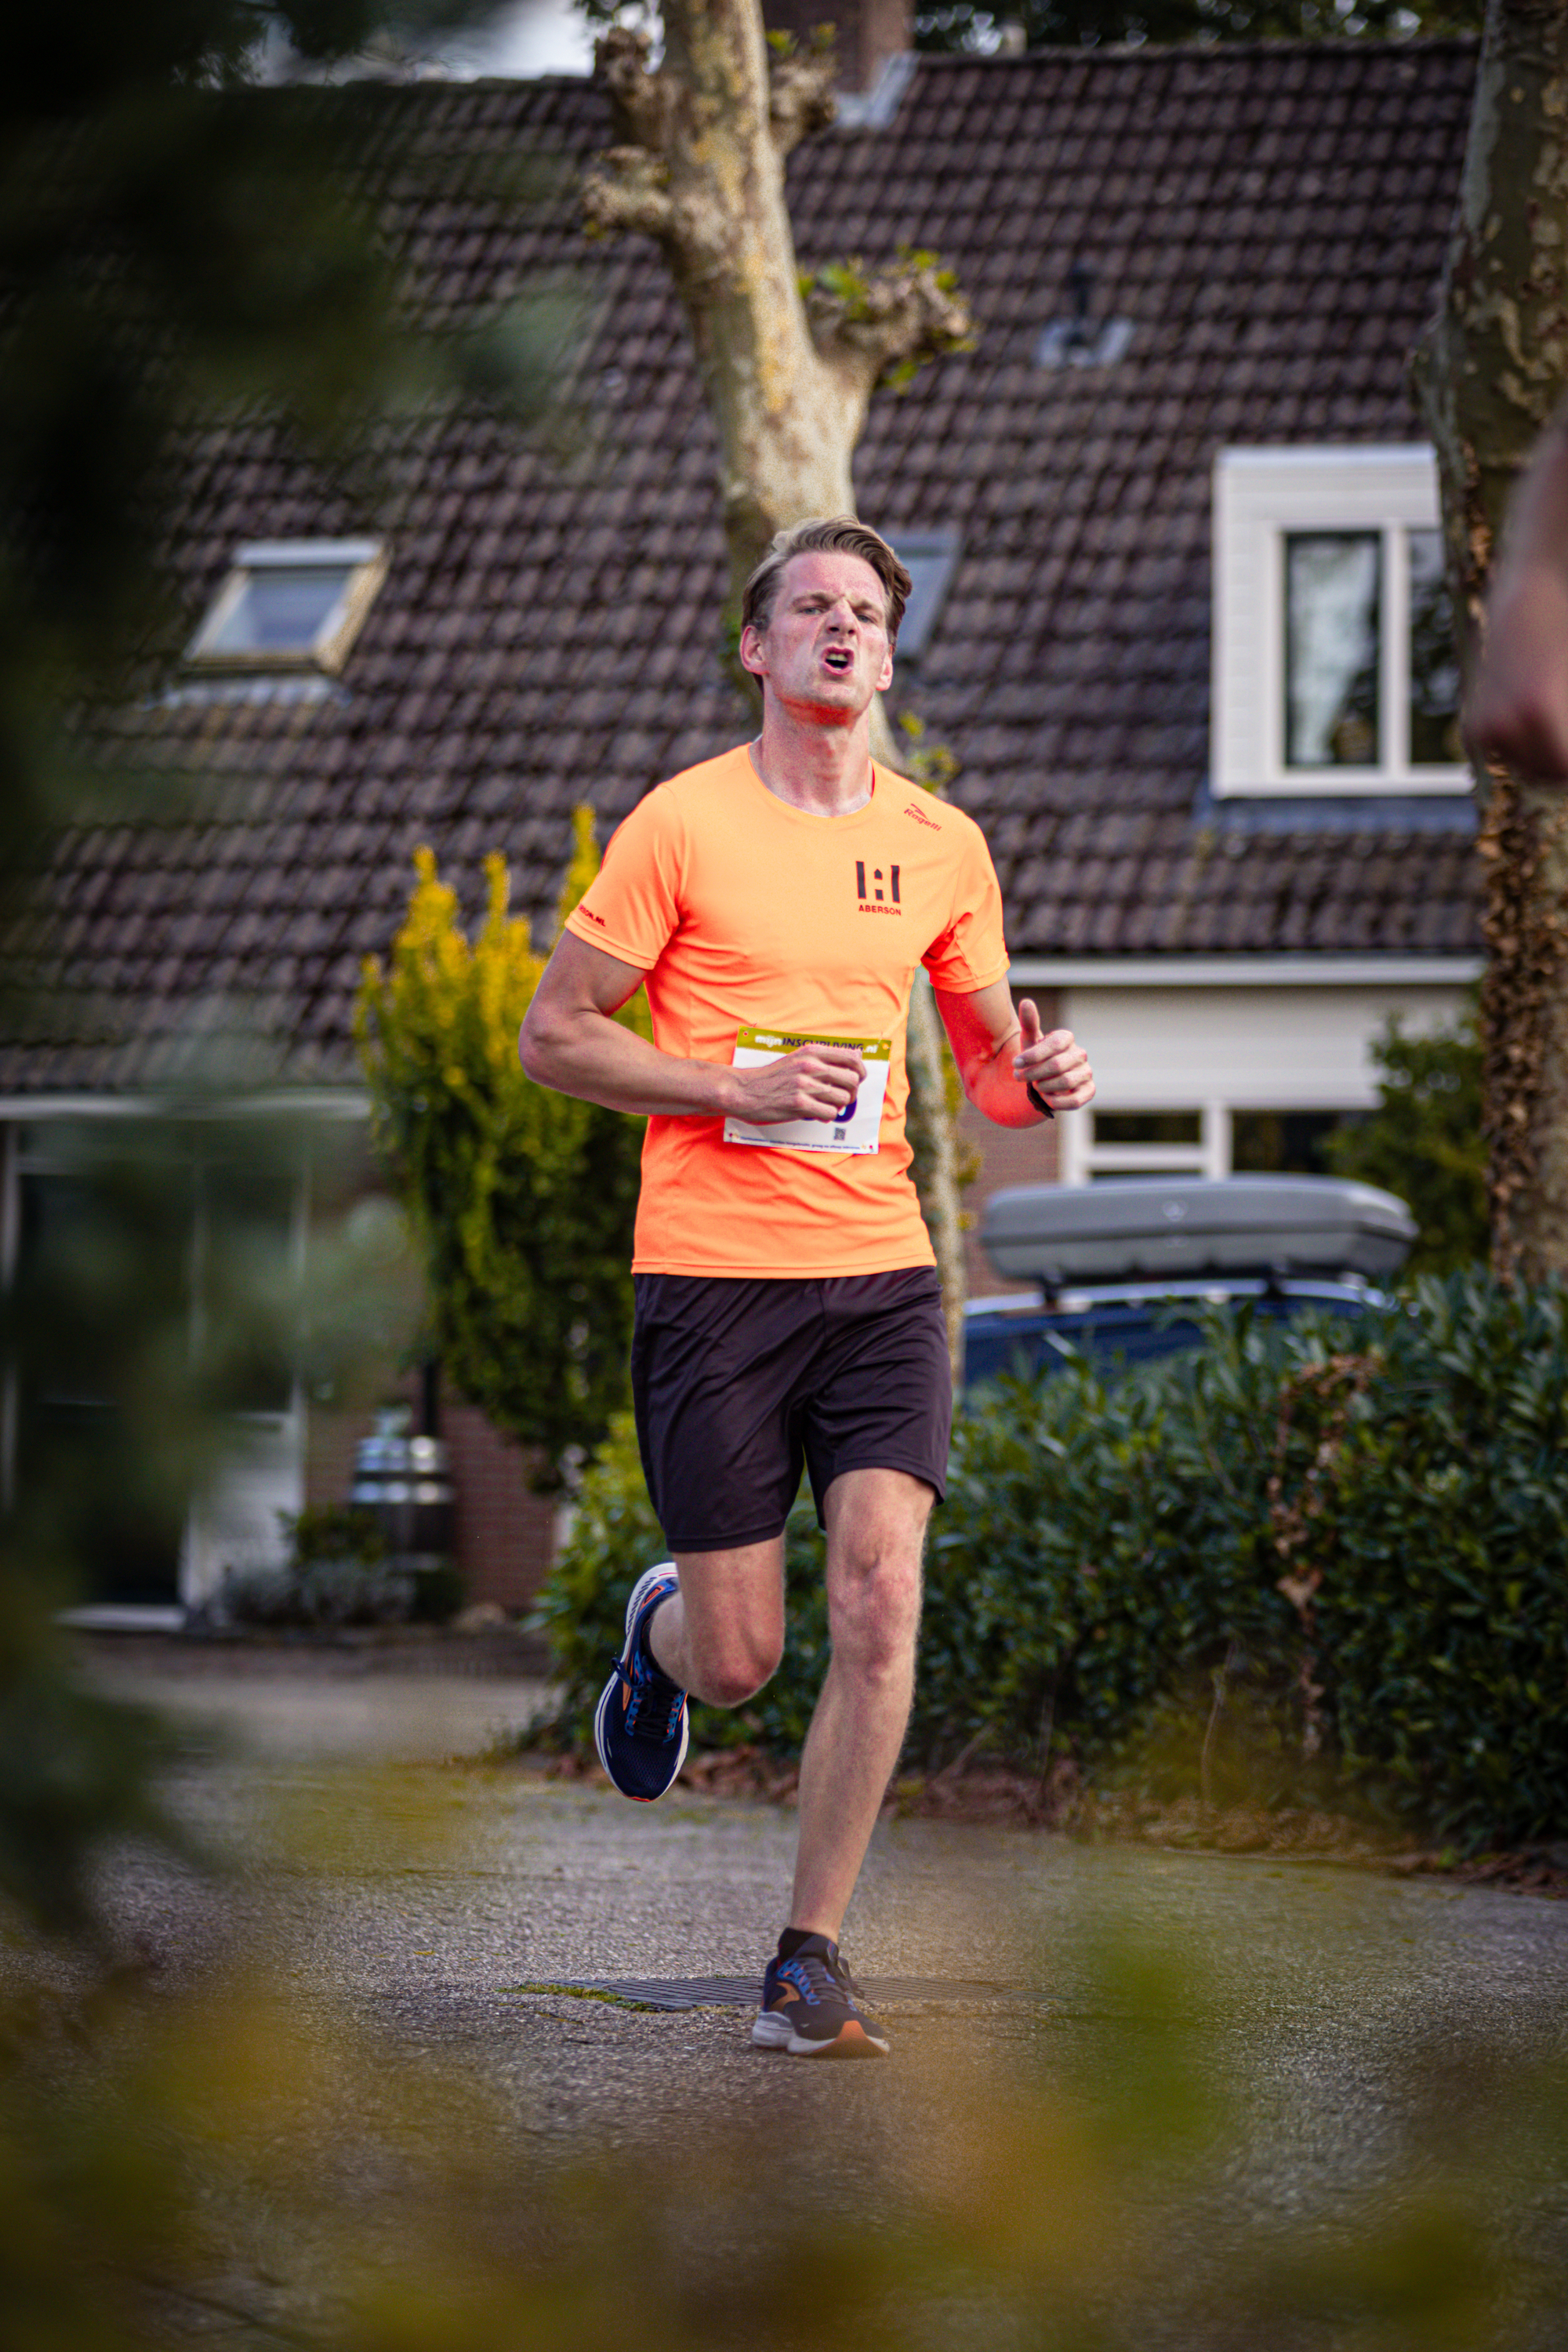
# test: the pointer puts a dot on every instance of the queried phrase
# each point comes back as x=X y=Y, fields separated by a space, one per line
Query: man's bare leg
x=721 y=1637
x=876 y=1535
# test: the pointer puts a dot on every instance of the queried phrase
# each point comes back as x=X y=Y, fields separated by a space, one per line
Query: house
x=1178 y=614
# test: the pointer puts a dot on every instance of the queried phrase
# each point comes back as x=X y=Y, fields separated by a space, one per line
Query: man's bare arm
x=571 y=1041
x=998 y=1050
x=1517 y=707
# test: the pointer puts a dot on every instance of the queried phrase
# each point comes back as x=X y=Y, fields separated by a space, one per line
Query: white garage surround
x=1220 y=1048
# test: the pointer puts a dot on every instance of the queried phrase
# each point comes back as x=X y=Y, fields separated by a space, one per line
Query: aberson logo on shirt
x=880 y=899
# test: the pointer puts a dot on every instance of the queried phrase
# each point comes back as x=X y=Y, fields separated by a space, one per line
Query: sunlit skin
x=1517 y=709
x=823 y=657
x=821 y=661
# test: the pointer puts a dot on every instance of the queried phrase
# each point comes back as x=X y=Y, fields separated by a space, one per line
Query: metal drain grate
x=745 y=1992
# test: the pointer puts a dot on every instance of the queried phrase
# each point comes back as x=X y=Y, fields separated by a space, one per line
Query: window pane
x=282 y=609
x=1434 y=673
x=1282 y=1143
x=249 y=1286
x=1148 y=1127
x=102 y=1270
x=1331 y=596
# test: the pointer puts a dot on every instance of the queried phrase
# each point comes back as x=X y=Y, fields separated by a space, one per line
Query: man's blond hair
x=831 y=535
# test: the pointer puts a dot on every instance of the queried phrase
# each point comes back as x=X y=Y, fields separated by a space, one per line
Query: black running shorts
x=738 y=1383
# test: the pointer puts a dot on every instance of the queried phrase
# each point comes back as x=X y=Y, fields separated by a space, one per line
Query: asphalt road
x=1362 y=2037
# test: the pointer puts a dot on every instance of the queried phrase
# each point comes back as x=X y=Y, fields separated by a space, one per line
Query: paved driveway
x=1356 y=2027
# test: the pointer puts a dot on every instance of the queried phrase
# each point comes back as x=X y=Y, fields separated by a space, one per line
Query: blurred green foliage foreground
x=1314 y=1562
x=223 y=2158
x=210 y=2166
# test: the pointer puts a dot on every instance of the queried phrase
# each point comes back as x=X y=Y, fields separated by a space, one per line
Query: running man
x=777 y=903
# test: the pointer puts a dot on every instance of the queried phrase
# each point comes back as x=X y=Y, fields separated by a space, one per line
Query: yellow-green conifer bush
x=522 y=1199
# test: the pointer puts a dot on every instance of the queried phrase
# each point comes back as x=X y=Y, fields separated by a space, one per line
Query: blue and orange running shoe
x=811 y=2007
x=640 y=1726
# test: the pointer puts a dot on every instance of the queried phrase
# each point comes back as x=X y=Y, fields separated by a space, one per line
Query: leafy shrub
x=522 y=1199
x=341 y=1573
x=336 y=1532
x=323 y=1595
x=1355 y=1534
x=1423 y=1140
x=1362 y=1526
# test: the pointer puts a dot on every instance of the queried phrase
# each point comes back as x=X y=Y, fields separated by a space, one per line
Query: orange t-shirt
x=746 y=913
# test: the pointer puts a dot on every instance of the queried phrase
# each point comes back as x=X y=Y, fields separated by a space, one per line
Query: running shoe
x=640 y=1726
x=811 y=2007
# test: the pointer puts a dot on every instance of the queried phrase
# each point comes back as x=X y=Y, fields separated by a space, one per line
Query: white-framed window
x=1209 y=1138
x=290 y=605
x=1333 y=665
x=1174 y=1142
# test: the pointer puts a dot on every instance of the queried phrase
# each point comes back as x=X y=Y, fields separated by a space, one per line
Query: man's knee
x=874 y=1601
x=733 y=1667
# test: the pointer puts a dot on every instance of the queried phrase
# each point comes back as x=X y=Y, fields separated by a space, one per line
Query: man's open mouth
x=839 y=657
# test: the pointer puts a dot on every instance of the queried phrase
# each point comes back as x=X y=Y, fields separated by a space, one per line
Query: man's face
x=825 y=653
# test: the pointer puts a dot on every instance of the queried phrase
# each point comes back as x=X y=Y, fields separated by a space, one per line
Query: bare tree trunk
x=1491 y=371
x=787 y=378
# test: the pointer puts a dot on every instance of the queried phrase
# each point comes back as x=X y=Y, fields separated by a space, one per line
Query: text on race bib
x=859 y=1131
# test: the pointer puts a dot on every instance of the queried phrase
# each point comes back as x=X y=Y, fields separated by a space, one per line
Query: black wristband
x=1038 y=1098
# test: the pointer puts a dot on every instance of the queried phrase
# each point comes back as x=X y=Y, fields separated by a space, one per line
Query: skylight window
x=1075 y=339
x=928 y=557
x=290 y=605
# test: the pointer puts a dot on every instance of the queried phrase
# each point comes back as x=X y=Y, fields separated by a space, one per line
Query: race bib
x=859 y=1131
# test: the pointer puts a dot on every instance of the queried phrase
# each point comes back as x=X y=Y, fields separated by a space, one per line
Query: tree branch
x=625 y=189
x=629 y=188
x=799 y=95
x=645 y=103
x=880 y=329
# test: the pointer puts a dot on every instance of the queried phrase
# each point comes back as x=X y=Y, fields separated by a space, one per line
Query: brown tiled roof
x=1271 y=220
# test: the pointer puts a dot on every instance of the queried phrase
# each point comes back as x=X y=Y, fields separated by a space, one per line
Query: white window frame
x=366 y=561
x=1305 y=1043
x=1209 y=1156
x=1259 y=496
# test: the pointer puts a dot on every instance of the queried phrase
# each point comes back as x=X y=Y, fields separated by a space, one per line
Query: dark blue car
x=1125 y=1270
x=1126 y=1323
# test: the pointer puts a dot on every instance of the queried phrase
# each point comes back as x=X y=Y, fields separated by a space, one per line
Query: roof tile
x=1272 y=218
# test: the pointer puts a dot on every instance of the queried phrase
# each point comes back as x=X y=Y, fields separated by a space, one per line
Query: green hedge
x=1105 y=1554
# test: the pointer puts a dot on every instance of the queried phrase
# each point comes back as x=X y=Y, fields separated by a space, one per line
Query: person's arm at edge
x=1517 y=709
x=999 y=1051
x=571 y=1041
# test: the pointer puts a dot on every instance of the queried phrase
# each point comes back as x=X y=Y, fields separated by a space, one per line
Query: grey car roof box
x=1147 y=1226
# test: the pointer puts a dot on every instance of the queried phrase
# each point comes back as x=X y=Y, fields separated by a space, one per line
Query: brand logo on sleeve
x=921 y=818
x=878 y=892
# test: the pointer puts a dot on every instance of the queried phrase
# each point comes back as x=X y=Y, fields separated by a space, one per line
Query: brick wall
x=1009 y=1155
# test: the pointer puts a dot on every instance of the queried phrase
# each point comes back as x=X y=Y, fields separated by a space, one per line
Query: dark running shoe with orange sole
x=811 y=2007
x=640 y=1725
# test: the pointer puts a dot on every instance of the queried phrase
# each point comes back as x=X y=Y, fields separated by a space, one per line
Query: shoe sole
x=772 y=2031
x=611 y=1692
